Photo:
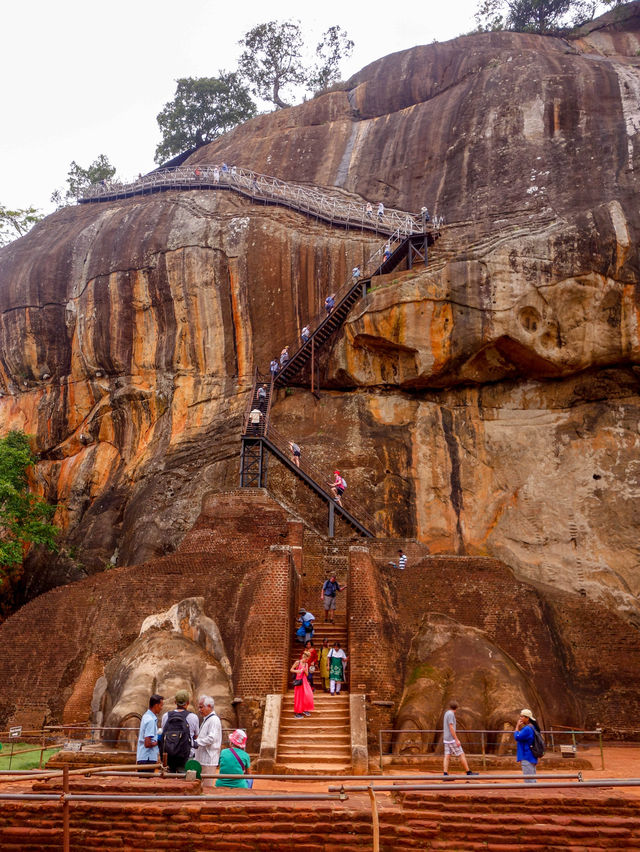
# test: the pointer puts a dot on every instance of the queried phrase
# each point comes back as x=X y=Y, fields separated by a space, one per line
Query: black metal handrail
x=321 y=479
x=322 y=317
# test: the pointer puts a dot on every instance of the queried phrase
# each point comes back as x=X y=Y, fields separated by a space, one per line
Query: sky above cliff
x=84 y=83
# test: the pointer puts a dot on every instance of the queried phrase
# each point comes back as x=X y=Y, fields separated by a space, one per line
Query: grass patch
x=24 y=761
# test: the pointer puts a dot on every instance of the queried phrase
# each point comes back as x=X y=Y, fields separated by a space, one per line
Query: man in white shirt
x=209 y=740
x=402 y=561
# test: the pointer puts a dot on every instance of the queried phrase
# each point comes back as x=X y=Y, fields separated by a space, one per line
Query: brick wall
x=375 y=650
x=582 y=657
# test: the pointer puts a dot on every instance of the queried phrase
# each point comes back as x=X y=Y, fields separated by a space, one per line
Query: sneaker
x=298 y=716
x=471 y=773
x=306 y=713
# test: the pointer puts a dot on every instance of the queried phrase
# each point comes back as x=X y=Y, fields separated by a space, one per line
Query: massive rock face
x=485 y=405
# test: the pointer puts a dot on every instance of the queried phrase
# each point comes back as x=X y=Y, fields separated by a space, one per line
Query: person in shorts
x=330 y=588
x=451 y=742
x=295 y=453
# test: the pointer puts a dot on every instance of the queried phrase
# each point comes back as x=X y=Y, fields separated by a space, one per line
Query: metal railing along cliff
x=309 y=200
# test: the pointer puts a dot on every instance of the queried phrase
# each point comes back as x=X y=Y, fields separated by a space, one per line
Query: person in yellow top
x=323 y=664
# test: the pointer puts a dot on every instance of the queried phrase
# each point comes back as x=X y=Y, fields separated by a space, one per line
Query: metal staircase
x=262 y=440
x=397 y=249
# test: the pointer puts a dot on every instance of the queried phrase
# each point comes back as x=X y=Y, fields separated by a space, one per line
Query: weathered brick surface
x=417 y=821
x=226 y=558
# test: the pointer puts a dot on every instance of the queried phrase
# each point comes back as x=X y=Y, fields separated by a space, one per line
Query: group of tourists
x=330 y=662
x=189 y=741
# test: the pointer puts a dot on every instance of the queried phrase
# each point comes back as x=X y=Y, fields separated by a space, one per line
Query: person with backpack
x=330 y=588
x=529 y=739
x=179 y=729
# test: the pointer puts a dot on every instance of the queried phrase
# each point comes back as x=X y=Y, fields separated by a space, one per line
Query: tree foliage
x=273 y=59
x=333 y=47
x=203 y=108
x=78 y=178
x=25 y=519
x=16 y=223
x=537 y=16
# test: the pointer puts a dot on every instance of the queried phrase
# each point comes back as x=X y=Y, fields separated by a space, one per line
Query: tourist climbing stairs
x=320 y=742
x=388 y=257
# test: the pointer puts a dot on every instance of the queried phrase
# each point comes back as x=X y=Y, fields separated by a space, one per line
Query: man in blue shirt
x=524 y=737
x=148 y=751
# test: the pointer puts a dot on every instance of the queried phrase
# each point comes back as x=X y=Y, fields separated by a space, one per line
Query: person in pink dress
x=302 y=692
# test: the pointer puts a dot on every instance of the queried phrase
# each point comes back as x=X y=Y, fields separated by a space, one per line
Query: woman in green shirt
x=235 y=761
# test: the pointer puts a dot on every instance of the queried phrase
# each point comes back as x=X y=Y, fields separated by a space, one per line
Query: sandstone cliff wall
x=487 y=405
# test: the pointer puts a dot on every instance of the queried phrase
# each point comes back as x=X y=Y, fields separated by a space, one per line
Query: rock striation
x=485 y=405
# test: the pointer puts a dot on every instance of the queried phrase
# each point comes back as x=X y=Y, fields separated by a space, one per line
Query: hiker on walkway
x=274 y=366
x=216 y=174
x=451 y=742
x=148 y=751
x=337 y=487
x=368 y=210
x=209 y=740
x=387 y=251
x=330 y=588
x=295 y=453
x=424 y=213
x=356 y=273
x=402 y=561
x=262 y=397
x=305 y=334
x=524 y=737
x=284 y=356
x=255 y=421
x=302 y=692
x=305 y=631
x=323 y=664
x=179 y=729
x=235 y=761
x=312 y=662
x=330 y=303
x=380 y=210
x=337 y=668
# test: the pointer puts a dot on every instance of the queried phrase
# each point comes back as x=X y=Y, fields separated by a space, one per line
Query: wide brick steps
x=320 y=742
x=459 y=823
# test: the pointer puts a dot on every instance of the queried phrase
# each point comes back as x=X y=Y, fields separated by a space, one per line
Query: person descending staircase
x=320 y=742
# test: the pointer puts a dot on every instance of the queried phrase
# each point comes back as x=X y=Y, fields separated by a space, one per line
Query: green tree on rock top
x=203 y=108
x=79 y=179
x=273 y=59
x=537 y=16
x=25 y=519
x=16 y=223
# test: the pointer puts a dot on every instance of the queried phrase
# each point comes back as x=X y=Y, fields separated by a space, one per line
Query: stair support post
x=332 y=519
x=313 y=352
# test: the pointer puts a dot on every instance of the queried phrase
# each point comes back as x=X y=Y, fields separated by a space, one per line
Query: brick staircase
x=320 y=742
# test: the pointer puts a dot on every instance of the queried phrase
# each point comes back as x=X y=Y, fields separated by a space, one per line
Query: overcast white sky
x=82 y=79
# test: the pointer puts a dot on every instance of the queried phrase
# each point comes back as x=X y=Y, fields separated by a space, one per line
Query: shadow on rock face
x=447 y=662
x=177 y=649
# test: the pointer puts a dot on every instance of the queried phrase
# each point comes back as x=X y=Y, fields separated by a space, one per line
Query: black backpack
x=176 y=736
x=537 y=746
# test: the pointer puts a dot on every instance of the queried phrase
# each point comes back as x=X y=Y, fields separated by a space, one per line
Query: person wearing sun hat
x=524 y=738
x=235 y=761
